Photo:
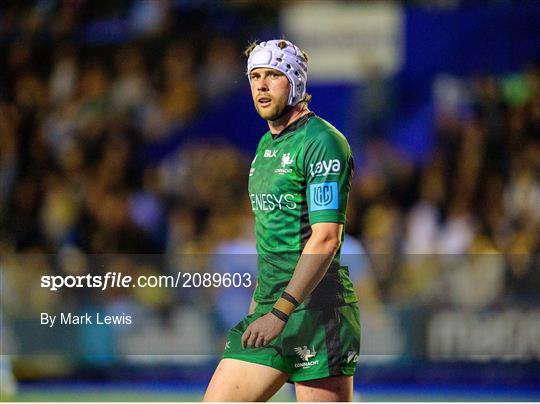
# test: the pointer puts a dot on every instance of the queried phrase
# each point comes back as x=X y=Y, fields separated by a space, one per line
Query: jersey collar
x=294 y=126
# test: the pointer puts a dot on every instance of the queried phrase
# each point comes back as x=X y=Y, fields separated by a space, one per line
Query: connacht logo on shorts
x=304 y=353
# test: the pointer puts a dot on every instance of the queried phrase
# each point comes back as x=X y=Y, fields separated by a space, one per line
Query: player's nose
x=262 y=84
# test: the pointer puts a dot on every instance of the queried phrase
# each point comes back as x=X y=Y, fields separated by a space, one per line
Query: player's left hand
x=262 y=331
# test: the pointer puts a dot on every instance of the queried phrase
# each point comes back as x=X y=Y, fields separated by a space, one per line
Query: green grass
x=109 y=396
x=138 y=394
x=87 y=395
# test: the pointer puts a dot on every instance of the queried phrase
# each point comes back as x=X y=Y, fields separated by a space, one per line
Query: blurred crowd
x=75 y=121
x=463 y=228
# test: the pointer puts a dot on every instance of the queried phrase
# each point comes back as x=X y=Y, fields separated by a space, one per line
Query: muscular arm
x=315 y=259
x=310 y=269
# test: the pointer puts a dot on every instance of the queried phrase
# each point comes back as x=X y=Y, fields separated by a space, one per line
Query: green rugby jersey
x=299 y=178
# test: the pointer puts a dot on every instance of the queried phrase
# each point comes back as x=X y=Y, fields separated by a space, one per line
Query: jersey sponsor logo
x=305 y=355
x=323 y=196
x=271 y=202
x=270 y=153
x=228 y=345
x=325 y=167
x=352 y=357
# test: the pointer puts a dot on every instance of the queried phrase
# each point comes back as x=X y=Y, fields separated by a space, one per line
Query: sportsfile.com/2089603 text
x=118 y=280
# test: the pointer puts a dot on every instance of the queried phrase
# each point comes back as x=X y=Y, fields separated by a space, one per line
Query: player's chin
x=269 y=114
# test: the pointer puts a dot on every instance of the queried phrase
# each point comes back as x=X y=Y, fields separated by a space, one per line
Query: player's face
x=270 y=91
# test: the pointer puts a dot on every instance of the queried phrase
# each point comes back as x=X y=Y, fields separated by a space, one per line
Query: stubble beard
x=270 y=114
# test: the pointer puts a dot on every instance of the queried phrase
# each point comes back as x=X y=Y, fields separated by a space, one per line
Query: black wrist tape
x=279 y=314
x=290 y=298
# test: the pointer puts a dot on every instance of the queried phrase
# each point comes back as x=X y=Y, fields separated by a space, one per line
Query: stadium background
x=126 y=132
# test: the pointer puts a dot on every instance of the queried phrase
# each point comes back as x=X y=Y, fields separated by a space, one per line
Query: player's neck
x=298 y=111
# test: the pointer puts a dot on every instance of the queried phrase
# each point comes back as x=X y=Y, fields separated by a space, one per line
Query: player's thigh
x=335 y=388
x=236 y=380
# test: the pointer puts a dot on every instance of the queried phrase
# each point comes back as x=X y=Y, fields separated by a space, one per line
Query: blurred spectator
x=522 y=196
x=180 y=94
x=147 y=17
x=235 y=256
x=423 y=222
x=476 y=280
x=450 y=96
x=146 y=208
x=8 y=384
x=63 y=79
x=8 y=156
x=523 y=260
x=380 y=335
x=58 y=211
x=458 y=231
x=375 y=104
x=222 y=70
x=131 y=87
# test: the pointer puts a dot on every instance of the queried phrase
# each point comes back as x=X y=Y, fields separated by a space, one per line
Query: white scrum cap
x=290 y=61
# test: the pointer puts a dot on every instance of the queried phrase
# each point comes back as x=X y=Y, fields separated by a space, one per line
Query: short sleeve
x=328 y=167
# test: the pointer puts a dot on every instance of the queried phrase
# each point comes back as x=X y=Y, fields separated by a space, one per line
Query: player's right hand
x=262 y=331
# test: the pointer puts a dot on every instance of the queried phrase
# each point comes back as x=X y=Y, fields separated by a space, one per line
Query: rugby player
x=303 y=324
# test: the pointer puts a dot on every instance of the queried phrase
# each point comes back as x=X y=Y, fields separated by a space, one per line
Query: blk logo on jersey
x=323 y=196
x=270 y=153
